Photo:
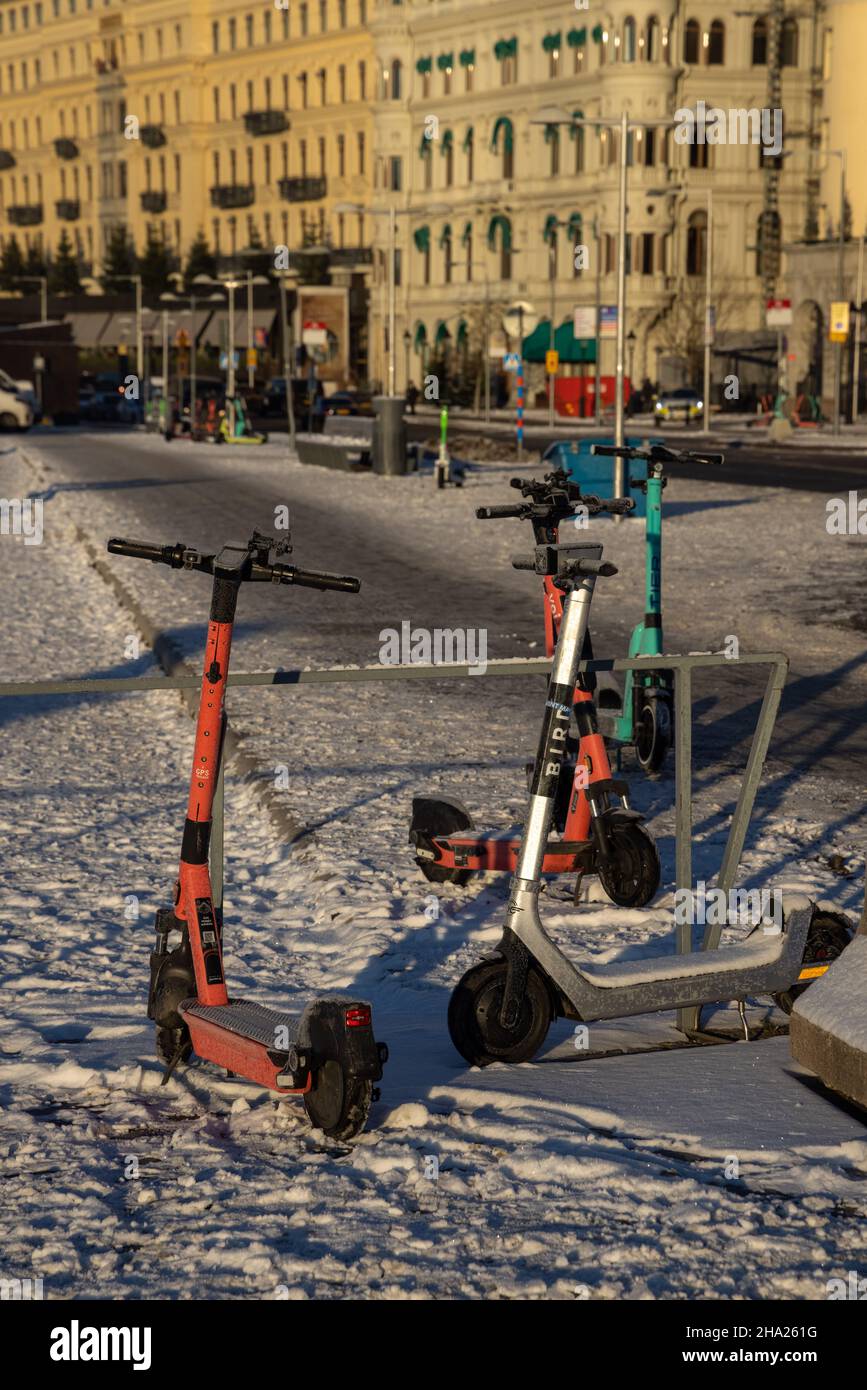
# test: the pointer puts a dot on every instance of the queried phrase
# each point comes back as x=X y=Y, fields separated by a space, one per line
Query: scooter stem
x=552 y=743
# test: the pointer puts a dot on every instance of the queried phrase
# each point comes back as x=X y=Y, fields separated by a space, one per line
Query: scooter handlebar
x=149 y=550
x=305 y=579
x=495 y=513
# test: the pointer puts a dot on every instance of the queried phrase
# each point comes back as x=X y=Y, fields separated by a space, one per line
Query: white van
x=16 y=411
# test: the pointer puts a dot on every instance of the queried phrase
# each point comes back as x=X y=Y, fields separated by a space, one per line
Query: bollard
x=389 y=436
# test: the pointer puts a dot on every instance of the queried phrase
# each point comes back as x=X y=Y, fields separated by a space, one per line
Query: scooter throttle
x=149 y=550
x=524 y=562
x=494 y=513
x=704 y=458
x=306 y=579
x=625 y=451
x=600 y=567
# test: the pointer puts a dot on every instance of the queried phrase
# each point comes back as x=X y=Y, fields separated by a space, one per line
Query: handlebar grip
x=619 y=506
x=707 y=458
x=306 y=579
x=524 y=562
x=604 y=568
x=495 y=513
x=612 y=450
x=146 y=550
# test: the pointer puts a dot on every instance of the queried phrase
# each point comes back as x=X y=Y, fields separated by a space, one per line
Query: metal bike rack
x=682 y=668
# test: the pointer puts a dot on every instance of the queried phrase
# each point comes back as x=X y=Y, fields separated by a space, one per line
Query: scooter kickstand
x=167 y=1074
x=742 y=1014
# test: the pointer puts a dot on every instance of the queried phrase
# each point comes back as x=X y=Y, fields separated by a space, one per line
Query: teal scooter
x=644 y=717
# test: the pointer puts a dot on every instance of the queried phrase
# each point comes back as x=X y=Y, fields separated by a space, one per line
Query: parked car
x=22 y=387
x=685 y=402
x=348 y=403
x=16 y=412
x=274 y=399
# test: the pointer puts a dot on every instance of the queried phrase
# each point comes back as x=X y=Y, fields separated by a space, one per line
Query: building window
x=302 y=14
x=629 y=39
x=266 y=24
x=696 y=243
x=552 y=254
x=396 y=80
x=468 y=76
x=323 y=16
x=341 y=84
x=651 y=43
x=322 y=168
x=646 y=265
x=699 y=156
x=362 y=81
x=341 y=13
x=554 y=145
x=360 y=139
x=760 y=43
x=447 y=255
x=233 y=34
x=649 y=147
x=302 y=78
x=470 y=147
x=691 y=41
x=789 y=43
x=302 y=153
x=341 y=155
x=233 y=101
x=716 y=43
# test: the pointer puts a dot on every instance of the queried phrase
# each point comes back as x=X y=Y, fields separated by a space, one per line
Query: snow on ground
x=674 y=1173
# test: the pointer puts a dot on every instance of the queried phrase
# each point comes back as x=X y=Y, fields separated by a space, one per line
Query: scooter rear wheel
x=337 y=1102
x=829 y=935
x=653 y=735
x=631 y=877
x=474 y=1017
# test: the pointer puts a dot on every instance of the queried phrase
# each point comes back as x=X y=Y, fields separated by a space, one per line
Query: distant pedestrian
x=412 y=394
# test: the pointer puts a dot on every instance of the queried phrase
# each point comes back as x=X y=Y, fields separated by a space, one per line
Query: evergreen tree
x=11 y=264
x=119 y=260
x=34 y=261
x=155 y=265
x=63 y=277
x=200 y=261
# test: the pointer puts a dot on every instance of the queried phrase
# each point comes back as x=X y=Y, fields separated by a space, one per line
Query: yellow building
x=248 y=121
x=845 y=61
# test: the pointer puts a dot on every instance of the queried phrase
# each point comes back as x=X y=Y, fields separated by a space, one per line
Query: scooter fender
x=340 y=1029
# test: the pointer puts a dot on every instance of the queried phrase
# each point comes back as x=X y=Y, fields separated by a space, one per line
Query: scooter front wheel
x=829 y=934
x=474 y=1017
x=338 y=1103
x=653 y=735
x=631 y=875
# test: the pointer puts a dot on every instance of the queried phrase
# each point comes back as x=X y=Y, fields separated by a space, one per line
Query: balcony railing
x=233 y=195
x=25 y=214
x=153 y=136
x=351 y=255
x=306 y=190
x=68 y=209
x=65 y=149
x=153 y=200
x=269 y=122
x=7 y=159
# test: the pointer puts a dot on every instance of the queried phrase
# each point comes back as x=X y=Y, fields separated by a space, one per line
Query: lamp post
x=392 y=213
x=135 y=280
x=559 y=116
x=631 y=340
x=859 y=296
x=841 y=253
x=282 y=277
x=708 y=311
x=407 y=344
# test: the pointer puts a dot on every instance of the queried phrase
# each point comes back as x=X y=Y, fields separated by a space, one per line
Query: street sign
x=778 y=313
x=224 y=360
x=608 y=321
x=552 y=362
x=511 y=361
x=839 y=322
x=252 y=357
x=182 y=338
x=584 y=325
x=260 y=337
x=314 y=334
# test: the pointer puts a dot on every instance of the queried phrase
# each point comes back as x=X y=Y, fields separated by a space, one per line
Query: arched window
x=691 y=41
x=396 y=80
x=500 y=230
x=448 y=149
x=552 y=139
x=760 y=43
x=504 y=137
x=469 y=151
x=696 y=243
x=629 y=39
x=651 y=43
x=577 y=133
x=446 y=244
x=789 y=43
x=716 y=43
x=550 y=235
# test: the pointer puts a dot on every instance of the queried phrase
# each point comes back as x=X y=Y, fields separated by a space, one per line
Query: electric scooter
x=326 y=1053
x=502 y=1008
x=235 y=427
x=644 y=717
x=596 y=835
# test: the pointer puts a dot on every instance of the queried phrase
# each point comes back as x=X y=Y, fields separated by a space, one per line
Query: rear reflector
x=358 y=1017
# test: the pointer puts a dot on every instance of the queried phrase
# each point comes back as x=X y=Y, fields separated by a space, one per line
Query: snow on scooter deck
x=829 y=1024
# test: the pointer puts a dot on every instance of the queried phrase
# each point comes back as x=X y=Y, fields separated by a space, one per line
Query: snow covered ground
x=673 y=1173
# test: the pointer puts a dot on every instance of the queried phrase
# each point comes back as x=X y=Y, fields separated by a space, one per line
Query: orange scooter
x=598 y=832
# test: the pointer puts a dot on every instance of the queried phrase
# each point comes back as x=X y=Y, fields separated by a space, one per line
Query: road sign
x=778 y=313
x=584 y=325
x=552 y=362
x=511 y=361
x=252 y=357
x=224 y=360
x=314 y=334
x=182 y=338
x=608 y=321
x=839 y=322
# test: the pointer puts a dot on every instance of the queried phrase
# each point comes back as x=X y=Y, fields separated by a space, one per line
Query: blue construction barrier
x=596 y=473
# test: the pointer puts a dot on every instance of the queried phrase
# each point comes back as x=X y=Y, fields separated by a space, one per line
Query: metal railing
x=682 y=668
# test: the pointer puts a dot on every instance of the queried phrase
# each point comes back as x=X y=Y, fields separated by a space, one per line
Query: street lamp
x=139 y=350
x=282 y=277
x=392 y=213
x=841 y=253
x=558 y=115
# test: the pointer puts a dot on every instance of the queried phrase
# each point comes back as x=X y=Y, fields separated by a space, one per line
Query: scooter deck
x=246 y=1038
x=499 y=854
